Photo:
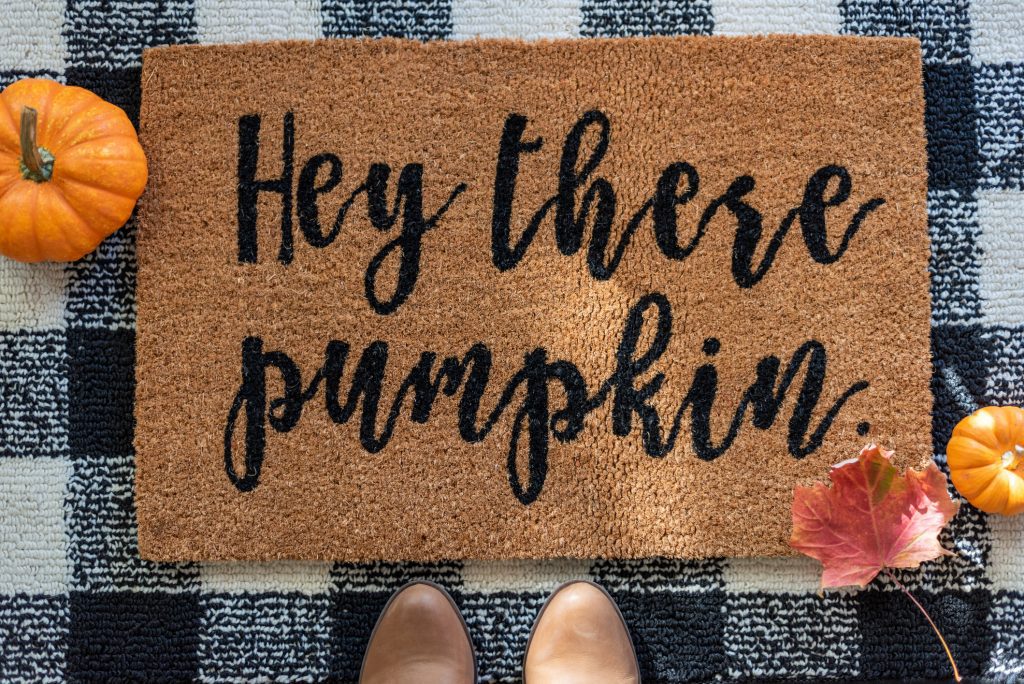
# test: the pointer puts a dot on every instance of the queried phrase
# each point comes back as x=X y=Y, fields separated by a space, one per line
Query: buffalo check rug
x=77 y=602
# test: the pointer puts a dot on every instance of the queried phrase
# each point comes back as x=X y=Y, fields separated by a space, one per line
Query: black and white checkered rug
x=77 y=603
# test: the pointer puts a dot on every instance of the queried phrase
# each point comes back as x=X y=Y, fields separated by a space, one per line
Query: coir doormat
x=493 y=299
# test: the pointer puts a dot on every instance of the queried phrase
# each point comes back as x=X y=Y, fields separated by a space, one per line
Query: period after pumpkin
x=986 y=459
x=71 y=170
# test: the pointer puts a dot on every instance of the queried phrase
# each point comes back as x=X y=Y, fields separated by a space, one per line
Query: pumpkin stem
x=949 y=654
x=36 y=162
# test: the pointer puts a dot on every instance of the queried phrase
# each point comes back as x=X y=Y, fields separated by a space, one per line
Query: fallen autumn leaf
x=873 y=519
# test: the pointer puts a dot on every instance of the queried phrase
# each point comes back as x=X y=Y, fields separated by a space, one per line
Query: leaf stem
x=949 y=654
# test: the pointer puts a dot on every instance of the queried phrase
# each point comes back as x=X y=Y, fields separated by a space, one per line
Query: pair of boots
x=579 y=637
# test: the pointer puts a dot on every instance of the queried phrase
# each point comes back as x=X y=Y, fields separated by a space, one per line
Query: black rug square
x=101 y=387
x=137 y=636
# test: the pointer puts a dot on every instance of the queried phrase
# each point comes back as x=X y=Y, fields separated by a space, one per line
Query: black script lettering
x=666 y=203
x=627 y=399
x=534 y=416
x=568 y=225
x=408 y=242
x=511 y=147
x=812 y=213
x=533 y=420
x=253 y=396
x=249 y=188
x=307 y=193
x=599 y=197
x=766 y=400
x=408 y=204
x=677 y=185
x=748 y=232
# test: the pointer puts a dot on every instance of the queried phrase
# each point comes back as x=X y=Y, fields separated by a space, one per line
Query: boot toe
x=420 y=637
x=578 y=638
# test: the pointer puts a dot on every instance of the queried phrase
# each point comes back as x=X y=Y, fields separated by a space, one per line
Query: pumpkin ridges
x=103 y=174
x=58 y=132
x=995 y=496
x=971 y=482
x=8 y=177
x=106 y=210
x=41 y=193
x=100 y=120
x=75 y=234
x=1009 y=425
x=69 y=111
x=93 y=141
x=97 y=230
x=19 y=222
x=980 y=429
x=998 y=426
x=83 y=172
x=965 y=452
x=7 y=234
x=50 y=238
x=77 y=160
x=1016 y=489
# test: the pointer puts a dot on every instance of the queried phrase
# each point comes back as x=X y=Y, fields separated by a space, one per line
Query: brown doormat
x=607 y=298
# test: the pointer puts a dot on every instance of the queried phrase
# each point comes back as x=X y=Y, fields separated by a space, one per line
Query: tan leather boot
x=420 y=638
x=579 y=637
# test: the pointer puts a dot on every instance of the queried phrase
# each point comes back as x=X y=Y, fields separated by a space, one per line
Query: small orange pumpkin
x=71 y=170
x=986 y=459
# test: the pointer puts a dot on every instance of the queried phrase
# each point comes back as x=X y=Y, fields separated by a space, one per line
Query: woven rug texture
x=77 y=603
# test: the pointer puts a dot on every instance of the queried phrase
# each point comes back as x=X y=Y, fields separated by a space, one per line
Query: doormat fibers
x=505 y=300
x=77 y=603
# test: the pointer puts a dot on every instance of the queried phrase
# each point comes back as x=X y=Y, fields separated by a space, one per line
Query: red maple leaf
x=871 y=518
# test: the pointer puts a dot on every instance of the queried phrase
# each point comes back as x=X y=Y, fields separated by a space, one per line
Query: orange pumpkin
x=986 y=459
x=71 y=170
